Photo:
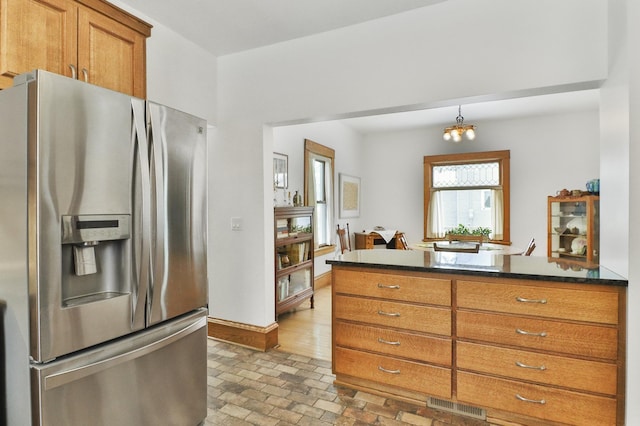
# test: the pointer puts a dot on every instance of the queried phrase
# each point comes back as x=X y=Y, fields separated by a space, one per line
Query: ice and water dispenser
x=95 y=258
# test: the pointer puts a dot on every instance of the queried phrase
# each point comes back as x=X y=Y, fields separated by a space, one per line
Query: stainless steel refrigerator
x=103 y=278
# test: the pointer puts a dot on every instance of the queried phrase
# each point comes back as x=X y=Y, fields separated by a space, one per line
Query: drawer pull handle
x=384 y=370
x=387 y=342
x=535 y=401
x=393 y=287
x=533 y=367
x=529 y=333
x=523 y=300
x=389 y=314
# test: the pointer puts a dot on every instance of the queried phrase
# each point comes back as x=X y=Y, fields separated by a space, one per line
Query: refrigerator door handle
x=58 y=379
x=159 y=253
x=141 y=264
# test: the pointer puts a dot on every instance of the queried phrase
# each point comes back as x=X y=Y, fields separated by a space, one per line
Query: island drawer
x=390 y=371
x=395 y=343
x=562 y=303
x=408 y=288
x=553 y=336
x=427 y=319
x=544 y=403
x=578 y=374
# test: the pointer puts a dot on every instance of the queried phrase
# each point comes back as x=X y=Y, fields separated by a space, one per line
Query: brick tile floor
x=273 y=388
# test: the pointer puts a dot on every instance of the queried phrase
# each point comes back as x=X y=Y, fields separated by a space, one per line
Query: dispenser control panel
x=89 y=228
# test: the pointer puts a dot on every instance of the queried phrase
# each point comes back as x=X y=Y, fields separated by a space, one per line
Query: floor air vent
x=456 y=408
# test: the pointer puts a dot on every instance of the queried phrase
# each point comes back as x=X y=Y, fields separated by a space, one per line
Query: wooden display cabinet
x=293 y=236
x=574 y=228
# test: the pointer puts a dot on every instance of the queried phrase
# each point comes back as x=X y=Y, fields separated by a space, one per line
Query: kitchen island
x=513 y=339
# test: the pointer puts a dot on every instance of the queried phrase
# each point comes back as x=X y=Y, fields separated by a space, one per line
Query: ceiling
x=224 y=27
x=557 y=103
x=228 y=26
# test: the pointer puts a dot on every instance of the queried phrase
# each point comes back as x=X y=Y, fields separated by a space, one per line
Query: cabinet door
x=110 y=54
x=36 y=34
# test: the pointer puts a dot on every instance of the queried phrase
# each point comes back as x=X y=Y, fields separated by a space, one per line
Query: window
x=318 y=191
x=467 y=189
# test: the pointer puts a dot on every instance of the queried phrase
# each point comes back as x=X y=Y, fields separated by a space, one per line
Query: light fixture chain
x=459 y=118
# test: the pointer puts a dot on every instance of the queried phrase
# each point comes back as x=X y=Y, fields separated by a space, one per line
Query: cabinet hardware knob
x=387 y=342
x=523 y=300
x=529 y=333
x=394 y=287
x=384 y=370
x=535 y=401
x=389 y=314
x=533 y=367
x=74 y=74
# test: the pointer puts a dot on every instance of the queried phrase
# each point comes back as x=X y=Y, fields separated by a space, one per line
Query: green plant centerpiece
x=462 y=233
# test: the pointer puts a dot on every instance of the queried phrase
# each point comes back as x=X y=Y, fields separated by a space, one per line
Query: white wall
x=620 y=105
x=633 y=320
x=419 y=57
x=614 y=140
x=548 y=153
x=400 y=60
x=180 y=74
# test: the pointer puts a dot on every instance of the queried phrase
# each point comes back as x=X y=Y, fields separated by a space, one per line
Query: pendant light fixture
x=455 y=132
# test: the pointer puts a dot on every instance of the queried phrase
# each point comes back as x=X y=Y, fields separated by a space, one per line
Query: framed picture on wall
x=349 y=196
x=280 y=170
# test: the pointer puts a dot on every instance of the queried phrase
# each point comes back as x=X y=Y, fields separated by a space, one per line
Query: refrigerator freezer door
x=154 y=377
x=179 y=227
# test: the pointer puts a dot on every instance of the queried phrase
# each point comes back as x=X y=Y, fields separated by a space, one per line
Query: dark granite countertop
x=481 y=264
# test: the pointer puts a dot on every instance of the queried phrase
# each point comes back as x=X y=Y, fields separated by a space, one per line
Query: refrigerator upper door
x=14 y=297
x=85 y=149
x=179 y=214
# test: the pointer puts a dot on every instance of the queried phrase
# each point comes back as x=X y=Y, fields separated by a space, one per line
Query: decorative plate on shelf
x=579 y=246
x=578 y=223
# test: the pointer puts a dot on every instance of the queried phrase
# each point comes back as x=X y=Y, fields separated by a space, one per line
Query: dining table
x=494 y=248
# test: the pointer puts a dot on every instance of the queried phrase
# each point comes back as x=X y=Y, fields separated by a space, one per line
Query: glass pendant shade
x=471 y=134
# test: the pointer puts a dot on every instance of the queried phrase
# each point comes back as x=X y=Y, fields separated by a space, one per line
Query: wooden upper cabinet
x=110 y=54
x=91 y=39
x=36 y=34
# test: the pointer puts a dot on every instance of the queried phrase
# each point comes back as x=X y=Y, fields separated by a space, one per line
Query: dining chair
x=403 y=242
x=344 y=239
x=457 y=249
x=530 y=247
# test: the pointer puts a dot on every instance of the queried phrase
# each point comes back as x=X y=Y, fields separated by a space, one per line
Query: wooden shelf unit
x=574 y=228
x=294 y=250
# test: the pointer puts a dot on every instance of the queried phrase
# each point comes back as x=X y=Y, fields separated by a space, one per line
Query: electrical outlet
x=236 y=224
